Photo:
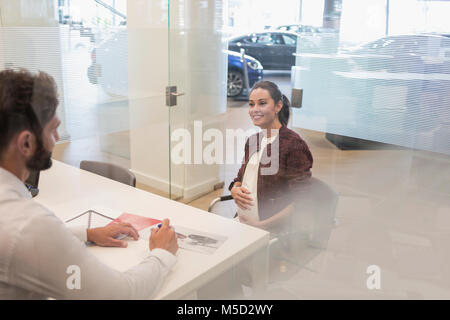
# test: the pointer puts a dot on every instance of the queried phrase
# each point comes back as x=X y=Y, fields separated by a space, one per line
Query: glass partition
x=375 y=115
x=162 y=88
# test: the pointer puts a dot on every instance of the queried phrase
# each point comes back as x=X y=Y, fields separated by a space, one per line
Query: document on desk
x=188 y=239
x=138 y=222
x=193 y=240
x=199 y=241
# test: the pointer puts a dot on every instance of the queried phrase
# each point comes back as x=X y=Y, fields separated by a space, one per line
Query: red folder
x=138 y=222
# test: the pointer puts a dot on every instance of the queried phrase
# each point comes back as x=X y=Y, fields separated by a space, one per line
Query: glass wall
x=372 y=104
x=375 y=115
x=66 y=38
x=384 y=80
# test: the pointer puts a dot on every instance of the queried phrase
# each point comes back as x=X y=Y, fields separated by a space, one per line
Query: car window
x=406 y=45
x=383 y=46
x=264 y=38
x=419 y=45
x=306 y=29
x=251 y=39
x=290 y=41
x=430 y=46
x=392 y=47
x=374 y=45
x=236 y=40
x=445 y=48
x=445 y=43
x=276 y=38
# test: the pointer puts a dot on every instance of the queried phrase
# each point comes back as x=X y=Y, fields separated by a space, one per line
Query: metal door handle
x=171 y=96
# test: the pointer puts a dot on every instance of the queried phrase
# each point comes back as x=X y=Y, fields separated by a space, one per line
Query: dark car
x=298 y=28
x=275 y=50
x=418 y=53
x=304 y=29
x=393 y=89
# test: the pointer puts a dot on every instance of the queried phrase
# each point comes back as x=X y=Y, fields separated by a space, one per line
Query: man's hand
x=164 y=238
x=242 y=197
x=105 y=236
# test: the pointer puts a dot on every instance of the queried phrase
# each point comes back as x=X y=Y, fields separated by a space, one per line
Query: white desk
x=67 y=191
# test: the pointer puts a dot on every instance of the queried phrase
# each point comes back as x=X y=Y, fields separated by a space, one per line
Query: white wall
x=362 y=21
x=422 y=16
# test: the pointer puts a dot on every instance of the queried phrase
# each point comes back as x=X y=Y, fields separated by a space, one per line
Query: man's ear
x=25 y=143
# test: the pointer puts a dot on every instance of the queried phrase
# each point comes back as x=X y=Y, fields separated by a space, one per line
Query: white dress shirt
x=250 y=179
x=36 y=249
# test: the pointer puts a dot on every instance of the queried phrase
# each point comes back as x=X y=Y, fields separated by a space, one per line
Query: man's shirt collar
x=13 y=183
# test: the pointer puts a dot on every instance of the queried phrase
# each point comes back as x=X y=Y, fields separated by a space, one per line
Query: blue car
x=236 y=82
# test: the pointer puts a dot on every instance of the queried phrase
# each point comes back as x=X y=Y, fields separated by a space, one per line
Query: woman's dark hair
x=27 y=102
x=277 y=96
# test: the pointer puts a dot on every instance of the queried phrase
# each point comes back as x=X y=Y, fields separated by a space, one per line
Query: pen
x=159 y=226
x=156 y=226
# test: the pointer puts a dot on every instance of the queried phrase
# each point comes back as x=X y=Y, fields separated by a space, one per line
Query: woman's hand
x=242 y=197
x=251 y=221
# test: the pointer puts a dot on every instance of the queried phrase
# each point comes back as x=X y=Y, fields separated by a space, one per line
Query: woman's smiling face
x=262 y=109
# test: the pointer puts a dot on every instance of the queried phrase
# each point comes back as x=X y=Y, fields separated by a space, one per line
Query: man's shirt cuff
x=80 y=232
x=164 y=256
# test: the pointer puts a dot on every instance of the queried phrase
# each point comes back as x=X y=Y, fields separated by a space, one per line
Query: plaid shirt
x=284 y=163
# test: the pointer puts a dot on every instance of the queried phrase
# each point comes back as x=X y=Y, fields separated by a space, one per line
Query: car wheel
x=235 y=83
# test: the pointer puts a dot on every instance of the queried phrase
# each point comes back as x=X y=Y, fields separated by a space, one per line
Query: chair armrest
x=216 y=200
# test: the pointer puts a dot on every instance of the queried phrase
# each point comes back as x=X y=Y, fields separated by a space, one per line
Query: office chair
x=316 y=203
x=109 y=170
x=310 y=226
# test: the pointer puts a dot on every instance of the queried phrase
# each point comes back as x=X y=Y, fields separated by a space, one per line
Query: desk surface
x=67 y=191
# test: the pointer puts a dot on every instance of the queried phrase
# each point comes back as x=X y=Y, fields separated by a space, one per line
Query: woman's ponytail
x=284 y=113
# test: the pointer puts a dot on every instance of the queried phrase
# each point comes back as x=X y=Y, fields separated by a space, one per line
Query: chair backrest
x=110 y=171
x=315 y=202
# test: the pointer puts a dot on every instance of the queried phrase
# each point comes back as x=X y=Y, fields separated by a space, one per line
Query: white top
x=250 y=179
x=36 y=250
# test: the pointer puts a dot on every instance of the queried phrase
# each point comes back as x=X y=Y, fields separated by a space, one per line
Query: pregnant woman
x=276 y=161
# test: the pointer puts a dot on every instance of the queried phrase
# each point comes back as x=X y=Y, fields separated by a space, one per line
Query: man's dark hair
x=27 y=102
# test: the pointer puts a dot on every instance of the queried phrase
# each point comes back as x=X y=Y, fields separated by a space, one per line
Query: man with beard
x=36 y=248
